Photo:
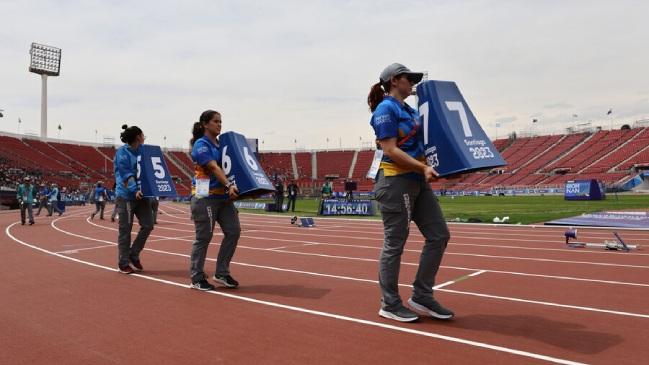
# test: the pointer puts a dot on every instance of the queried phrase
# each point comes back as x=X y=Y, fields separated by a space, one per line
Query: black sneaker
x=126 y=269
x=203 y=285
x=401 y=314
x=31 y=223
x=92 y=216
x=432 y=308
x=226 y=280
x=137 y=265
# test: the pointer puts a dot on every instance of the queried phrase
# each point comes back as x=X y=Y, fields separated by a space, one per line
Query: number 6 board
x=241 y=166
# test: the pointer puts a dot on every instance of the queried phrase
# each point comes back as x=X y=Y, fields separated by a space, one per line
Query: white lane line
x=291 y=246
x=578 y=307
x=476 y=272
x=405 y=263
x=171 y=206
x=461 y=278
x=76 y=250
x=550 y=260
x=320 y=313
x=170 y=238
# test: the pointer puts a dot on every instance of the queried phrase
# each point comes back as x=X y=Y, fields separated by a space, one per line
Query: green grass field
x=523 y=209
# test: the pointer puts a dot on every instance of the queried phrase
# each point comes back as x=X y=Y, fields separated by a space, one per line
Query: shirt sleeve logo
x=385 y=118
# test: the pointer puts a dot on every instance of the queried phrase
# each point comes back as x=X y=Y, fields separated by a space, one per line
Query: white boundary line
x=318 y=313
x=476 y=272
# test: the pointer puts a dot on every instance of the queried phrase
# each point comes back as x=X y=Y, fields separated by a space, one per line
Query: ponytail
x=198 y=130
x=375 y=96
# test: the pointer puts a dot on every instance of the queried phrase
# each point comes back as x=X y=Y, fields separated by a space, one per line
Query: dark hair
x=198 y=129
x=129 y=134
x=378 y=91
x=376 y=95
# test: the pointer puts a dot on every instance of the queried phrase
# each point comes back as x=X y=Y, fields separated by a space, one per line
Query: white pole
x=43 y=106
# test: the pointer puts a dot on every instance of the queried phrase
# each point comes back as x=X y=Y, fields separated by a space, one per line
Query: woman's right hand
x=430 y=174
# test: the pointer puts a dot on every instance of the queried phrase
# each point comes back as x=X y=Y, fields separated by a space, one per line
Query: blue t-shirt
x=54 y=194
x=100 y=191
x=203 y=152
x=126 y=184
x=392 y=119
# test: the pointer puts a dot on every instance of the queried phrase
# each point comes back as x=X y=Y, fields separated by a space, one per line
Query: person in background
x=54 y=201
x=279 y=195
x=293 y=190
x=112 y=216
x=25 y=195
x=100 y=197
x=42 y=198
x=130 y=202
x=403 y=192
x=211 y=202
x=326 y=190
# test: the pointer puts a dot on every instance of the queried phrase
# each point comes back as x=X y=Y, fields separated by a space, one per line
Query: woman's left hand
x=430 y=174
x=233 y=192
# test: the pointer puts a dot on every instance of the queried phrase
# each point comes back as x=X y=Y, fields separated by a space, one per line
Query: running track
x=310 y=296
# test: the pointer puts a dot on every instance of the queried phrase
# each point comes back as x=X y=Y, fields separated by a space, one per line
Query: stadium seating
x=87 y=156
x=183 y=159
x=304 y=165
x=363 y=163
x=541 y=161
x=334 y=163
x=636 y=152
x=277 y=164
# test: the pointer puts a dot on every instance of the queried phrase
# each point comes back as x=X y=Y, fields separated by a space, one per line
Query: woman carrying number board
x=130 y=202
x=212 y=196
x=403 y=192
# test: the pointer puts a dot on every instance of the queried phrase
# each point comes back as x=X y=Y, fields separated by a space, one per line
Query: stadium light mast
x=45 y=61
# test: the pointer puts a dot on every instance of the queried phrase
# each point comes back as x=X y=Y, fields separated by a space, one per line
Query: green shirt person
x=25 y=196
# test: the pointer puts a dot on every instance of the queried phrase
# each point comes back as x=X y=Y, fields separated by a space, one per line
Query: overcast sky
x=283 y=71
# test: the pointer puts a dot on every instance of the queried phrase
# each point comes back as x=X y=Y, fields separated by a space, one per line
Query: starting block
x=303 y=221
x=617 y=245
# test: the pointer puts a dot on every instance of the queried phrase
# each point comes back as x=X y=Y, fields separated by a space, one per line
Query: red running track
x=309 y=295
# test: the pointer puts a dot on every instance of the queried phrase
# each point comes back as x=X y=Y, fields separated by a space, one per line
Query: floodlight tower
x=45 y=61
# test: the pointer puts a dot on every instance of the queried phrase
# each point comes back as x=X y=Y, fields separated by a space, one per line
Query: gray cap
x=397 y=69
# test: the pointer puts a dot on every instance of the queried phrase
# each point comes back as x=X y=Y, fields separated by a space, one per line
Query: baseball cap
x=396 y=69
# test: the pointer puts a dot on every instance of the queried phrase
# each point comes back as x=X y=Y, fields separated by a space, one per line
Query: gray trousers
x=205 y=212
x=28 y=207
x=127 y=209
x=114 y=214
x=41 y=203
x=99 y=208
x=402 y=199
x=155 y=203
